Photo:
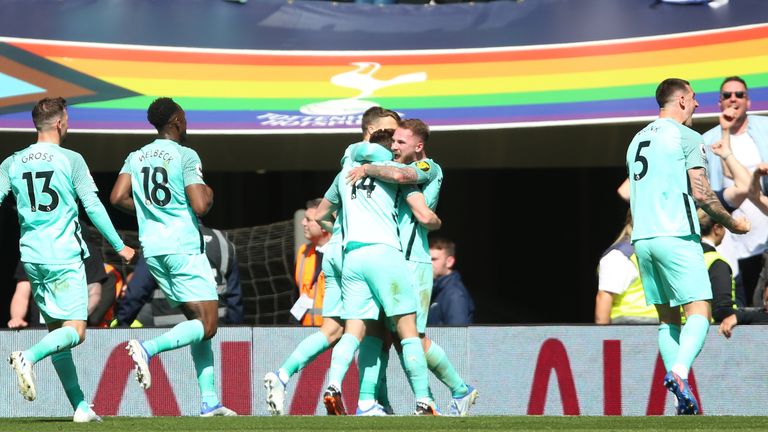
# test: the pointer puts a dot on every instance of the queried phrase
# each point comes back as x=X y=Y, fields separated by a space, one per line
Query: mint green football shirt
x=413 y=236
x=47 y=181
x=160 y=171
x=658 y=160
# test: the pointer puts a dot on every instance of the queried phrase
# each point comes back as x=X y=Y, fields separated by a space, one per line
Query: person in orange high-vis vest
x=308 y=274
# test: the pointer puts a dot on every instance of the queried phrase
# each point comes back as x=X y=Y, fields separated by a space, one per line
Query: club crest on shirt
x=423 y=165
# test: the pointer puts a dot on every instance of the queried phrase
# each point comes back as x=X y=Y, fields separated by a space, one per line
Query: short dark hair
x=314 y=203
x=441 y=243
x=374 y=113
x=160 y=112
x=734 y=78
x=47 y=109
x=383 y=137
x=706 y=222
x=417 y=127
x=669 y=87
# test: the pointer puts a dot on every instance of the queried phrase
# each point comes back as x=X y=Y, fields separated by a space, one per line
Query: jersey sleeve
x=192 y=167
x=126 y=169
x=332 y=194
x=5 y=178
x=693 y=148
x=86 y=190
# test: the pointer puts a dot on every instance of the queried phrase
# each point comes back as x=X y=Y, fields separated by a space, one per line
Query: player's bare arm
x=200 y=198
x=423 y=213
x=324 y=215
x=709 y=202
x=122 y=194
x=387 y=173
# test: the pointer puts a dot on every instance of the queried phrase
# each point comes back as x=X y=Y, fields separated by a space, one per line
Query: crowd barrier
x=535 y=370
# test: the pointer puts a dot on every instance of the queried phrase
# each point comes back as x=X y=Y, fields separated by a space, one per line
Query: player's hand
x=727 y=118
x=355 y=174
x=17 y=323
x=722 y=148
x=740 y=226
x=726 y=327
x=127 y=254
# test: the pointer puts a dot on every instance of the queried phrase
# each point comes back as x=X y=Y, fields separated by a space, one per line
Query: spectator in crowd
x=749 y=143
x=620 y=297
x=724 y=308
x=143 y=289
x=308 y=275
x=451 y=303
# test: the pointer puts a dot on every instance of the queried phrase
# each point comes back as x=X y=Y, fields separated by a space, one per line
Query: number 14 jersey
x=160 y=172
x=658 y=160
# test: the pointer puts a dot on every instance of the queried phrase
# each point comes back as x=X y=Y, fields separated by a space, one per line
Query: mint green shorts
x=375 y=278
x=332 y=304
x=183 y=278
x=60 y=290
x=672 y=270
x=421 y=273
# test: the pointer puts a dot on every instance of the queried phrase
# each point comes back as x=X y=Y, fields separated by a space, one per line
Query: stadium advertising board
x=537 y=370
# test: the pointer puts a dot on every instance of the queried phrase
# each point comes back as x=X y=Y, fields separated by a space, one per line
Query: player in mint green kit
x=162 y=183
x=408 y=148
x=47 y=181
x=332 y=328
x=375 y=279
x=668 y=176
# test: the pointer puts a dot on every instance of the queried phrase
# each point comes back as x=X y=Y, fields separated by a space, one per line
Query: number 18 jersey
x=658 y=160
x=160 y=171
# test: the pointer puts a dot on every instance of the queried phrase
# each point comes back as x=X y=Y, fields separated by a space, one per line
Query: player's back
x=413 y=236
x=43 y=178
x=370 y=213
x=159 y=175
x=658 y=159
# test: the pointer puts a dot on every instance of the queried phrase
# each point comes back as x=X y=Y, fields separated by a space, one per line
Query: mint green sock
x=439 y=364
x=416 y=367
x=202 y=356
x=58 y=340
x=691 y=341
x=369 y=365
x=343 y=353
x=669 y=343
x=65 y=369
x=305 y=352
x=182 y=334
x=382 y=392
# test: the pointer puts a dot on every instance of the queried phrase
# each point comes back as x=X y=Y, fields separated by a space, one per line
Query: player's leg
x=308 y=349
x=61 y=295
x=393 y=288
x=186 y=281
x=343 y=354
x=382 y=390
x=369 y=364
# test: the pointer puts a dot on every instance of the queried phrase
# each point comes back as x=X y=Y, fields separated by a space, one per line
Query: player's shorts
x=672 y=270
x=421 y=273
x=60 y=290
x=333 y=307
x=183 y=278
x=375 y=278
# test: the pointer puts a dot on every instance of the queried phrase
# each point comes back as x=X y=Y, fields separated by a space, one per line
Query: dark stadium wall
x=528 y=239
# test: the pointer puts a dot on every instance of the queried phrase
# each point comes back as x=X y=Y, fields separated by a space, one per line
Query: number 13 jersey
x=658 y=160
x=160 y=171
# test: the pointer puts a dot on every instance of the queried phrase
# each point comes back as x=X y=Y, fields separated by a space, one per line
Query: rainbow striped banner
x=256 y=91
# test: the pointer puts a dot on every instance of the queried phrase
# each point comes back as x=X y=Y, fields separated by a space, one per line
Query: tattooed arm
x=708 y=201
x=401 y=174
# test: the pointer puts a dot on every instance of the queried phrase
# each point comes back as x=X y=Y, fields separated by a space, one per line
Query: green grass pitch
x=399 y=424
